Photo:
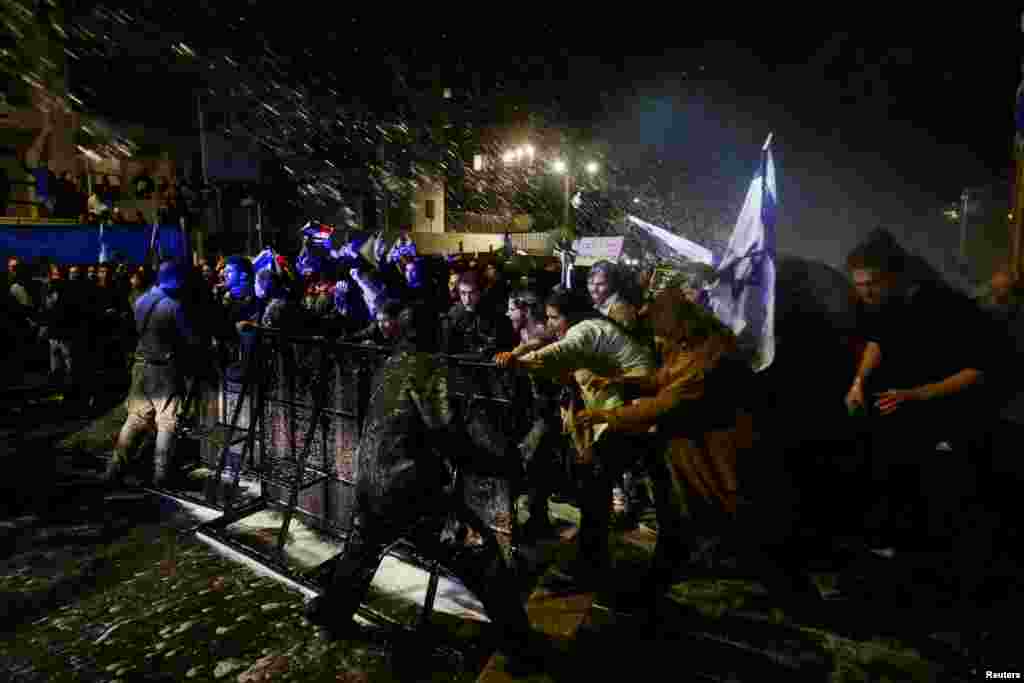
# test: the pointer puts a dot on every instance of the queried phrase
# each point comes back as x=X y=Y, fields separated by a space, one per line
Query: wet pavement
x=107 y=588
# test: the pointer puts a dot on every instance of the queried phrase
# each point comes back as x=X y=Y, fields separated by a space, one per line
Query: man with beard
x=918 y=382
x=401 y=491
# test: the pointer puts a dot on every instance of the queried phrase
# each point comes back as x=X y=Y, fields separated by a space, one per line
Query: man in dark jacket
x=470 y=327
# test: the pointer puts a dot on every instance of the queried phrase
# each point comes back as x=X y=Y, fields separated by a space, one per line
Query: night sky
x=865 y=134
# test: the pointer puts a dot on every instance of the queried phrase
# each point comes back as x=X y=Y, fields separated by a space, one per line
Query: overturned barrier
x=302 y=388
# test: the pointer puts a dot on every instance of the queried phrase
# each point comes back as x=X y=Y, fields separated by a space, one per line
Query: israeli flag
x=104 y=249
x=404 y=246
x=265 y=260
x=319 y=234
x=744 y=295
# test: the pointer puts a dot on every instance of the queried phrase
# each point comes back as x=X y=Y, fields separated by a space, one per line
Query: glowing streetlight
x=592 y=167
x=560 y=167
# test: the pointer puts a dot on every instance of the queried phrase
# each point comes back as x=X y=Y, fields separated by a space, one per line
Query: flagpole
x=1016 y=260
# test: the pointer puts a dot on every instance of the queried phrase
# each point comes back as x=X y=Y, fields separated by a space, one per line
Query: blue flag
x=104 y=249
x=744 y=295
x=264 y=260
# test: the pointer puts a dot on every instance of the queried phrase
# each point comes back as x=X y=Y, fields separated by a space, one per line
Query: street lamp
x=561 y=167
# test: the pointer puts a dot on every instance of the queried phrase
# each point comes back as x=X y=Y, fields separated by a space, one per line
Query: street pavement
x=109 y=588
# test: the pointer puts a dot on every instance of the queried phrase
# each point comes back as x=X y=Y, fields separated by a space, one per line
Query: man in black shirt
x=472 y=328
x=919 y=383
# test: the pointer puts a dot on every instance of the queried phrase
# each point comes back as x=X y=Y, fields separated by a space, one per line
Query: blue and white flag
x=265 y=260
x=104 y=249
x=744 y=295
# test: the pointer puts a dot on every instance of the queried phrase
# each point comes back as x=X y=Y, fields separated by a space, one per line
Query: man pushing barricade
x=404 y=490
x=167 y=345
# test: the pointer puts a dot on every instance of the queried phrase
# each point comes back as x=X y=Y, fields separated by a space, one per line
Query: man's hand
x=601 y=383
x=889 y=401
x=586 y=419
x=505 y=359
x=855 y=396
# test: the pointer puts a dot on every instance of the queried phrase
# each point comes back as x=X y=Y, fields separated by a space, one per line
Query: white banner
x=599 y=248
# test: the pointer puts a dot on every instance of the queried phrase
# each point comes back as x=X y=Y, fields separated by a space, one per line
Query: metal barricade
x=305 y=403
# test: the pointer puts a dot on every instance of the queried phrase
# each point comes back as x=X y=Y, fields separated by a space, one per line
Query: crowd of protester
x=636 y=390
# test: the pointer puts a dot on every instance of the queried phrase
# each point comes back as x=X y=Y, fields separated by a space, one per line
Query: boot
x=163 y=459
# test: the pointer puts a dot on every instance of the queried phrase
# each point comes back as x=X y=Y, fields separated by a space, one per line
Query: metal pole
x=259 y=225
x=249 y=232
x=963 y=225
x=202 y=142
x=565 y=209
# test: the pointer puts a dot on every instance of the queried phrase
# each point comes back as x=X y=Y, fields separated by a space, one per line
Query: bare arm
x=644 y=384
x=529 y=346
x=35 y=152
x=953 y=384
x=870 y=359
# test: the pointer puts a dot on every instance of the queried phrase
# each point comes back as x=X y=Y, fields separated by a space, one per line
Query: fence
x=317 y=388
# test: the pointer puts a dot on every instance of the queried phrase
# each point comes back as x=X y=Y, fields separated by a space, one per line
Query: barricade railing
x=306 y=398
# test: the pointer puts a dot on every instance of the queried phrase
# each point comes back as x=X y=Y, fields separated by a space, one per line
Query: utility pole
x=566 y=196
x=964 y=197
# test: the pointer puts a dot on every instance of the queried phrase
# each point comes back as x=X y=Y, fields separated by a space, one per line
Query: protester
x=401 y=486
x=917 y=394
x=589 y=345
x=700 y=427
x=470 y=328
x=167 y=346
